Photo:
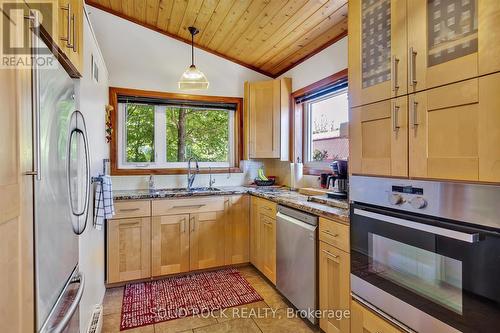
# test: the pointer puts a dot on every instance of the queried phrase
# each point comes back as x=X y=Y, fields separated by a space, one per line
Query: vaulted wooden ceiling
x=270 y=36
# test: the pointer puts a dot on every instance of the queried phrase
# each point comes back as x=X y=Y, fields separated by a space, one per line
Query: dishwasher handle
x=289 y=219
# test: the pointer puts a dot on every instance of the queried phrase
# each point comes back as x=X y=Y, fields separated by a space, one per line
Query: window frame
x=299 y=127
x=117 y=147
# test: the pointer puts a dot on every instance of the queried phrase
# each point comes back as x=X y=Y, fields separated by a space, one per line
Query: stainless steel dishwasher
x=296 y=258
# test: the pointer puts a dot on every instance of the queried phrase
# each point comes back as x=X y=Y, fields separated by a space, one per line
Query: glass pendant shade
x=193 y=79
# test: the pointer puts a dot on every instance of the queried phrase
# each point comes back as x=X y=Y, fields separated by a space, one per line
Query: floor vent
x=95 y=325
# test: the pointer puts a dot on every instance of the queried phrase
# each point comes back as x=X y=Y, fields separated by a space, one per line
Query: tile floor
x=268 y=316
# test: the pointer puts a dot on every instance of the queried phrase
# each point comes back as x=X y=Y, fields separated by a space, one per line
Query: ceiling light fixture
x=192 y=78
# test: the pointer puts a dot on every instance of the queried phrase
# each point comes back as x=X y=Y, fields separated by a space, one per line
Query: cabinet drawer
x=127 y=209
x=365 y=321
x=189 y=206
x=267 y=208
x=334 y=233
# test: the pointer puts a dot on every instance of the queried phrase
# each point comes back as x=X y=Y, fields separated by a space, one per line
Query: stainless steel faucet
x=210 y=180
x=191 y=176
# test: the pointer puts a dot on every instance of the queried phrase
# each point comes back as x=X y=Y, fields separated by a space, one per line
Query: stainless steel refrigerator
x=61 y=182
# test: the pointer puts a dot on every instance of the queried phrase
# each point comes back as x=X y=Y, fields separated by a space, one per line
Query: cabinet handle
x=74 y=32
x=328 y=253
x=129 y=209
x=413 y=69
x=395 y=120
x=193 y=224
x=67 y=39
x=129 y=224
x=394 y=71
x=330 y=234
x=183 y=225
x=34 y=20
x=188 y=206
x=414 y=114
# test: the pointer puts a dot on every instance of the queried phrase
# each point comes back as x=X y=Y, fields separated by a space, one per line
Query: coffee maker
x=338 y=180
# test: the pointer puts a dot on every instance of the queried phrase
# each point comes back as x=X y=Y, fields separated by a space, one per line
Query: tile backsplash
x=249 y=167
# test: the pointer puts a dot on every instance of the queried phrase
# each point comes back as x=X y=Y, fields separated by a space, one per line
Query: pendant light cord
x=192 y=49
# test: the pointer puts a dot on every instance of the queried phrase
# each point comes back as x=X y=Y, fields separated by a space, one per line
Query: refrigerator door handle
x=74 y=306
x=53 y=323
x=79 y=131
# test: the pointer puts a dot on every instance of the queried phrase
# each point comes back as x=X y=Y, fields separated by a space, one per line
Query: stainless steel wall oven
x=427 y=254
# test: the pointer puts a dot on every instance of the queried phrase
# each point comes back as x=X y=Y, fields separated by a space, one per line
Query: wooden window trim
x=114 y=92
x=297 y=127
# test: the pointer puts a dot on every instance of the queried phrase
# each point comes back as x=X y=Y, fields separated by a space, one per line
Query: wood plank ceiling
x=269 y=36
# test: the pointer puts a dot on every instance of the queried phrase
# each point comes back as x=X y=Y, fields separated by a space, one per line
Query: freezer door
x=56 y=243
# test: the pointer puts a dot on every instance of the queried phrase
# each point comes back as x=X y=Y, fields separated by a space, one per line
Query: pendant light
x=192 y=78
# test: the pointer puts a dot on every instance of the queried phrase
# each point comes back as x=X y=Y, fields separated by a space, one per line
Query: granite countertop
x=317 y=205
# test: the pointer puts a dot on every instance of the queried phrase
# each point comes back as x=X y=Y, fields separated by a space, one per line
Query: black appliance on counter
x=426 y=255
x=339 y=180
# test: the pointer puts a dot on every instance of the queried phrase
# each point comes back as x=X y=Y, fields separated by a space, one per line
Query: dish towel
x=103 y=205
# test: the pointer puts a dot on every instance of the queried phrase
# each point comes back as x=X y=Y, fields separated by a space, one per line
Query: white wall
x=141 y=58
x=331 y=60
x=91 y=101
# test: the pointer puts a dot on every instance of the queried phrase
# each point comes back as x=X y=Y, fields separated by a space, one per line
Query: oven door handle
x=458 y=235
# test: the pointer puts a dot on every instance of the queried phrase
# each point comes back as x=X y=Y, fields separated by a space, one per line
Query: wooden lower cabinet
x=170 y=244
x=237 y=230
x=129 y=249
x=263 y=236
x=334 y=290
x=206 y=240
x=181 y=236
x=268 y=246
x=365 y=321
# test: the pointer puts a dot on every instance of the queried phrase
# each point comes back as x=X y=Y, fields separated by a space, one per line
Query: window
x=320 y=128
x=326 y=123
x=162 y=134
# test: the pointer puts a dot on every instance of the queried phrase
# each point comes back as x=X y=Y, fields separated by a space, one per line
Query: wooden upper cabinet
x=334 y=288
x=267 y=109
x=129 y=249
x=207 y=240
x=237 y=230
x=379 y=138
x=170 y=244
x=377 y=50
x=450 y=41
x=455 y=131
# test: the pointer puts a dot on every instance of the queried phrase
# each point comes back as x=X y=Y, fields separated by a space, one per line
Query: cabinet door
x=365 y=321
x=129 y=249
x=334 y=291
x=170 y=244
x=267 y=244
x=70 y=27
x=451 y=40
x=379 y=138
x=263 y=107
x=207 y=240
x=237 y=230
x=377 y=50
x=254 y=232
x=454 y=131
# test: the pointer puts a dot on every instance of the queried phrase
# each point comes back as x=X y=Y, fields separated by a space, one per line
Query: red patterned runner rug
x=151 y=302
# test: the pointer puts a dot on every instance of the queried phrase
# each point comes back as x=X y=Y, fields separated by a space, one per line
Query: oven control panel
x=409 y=194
